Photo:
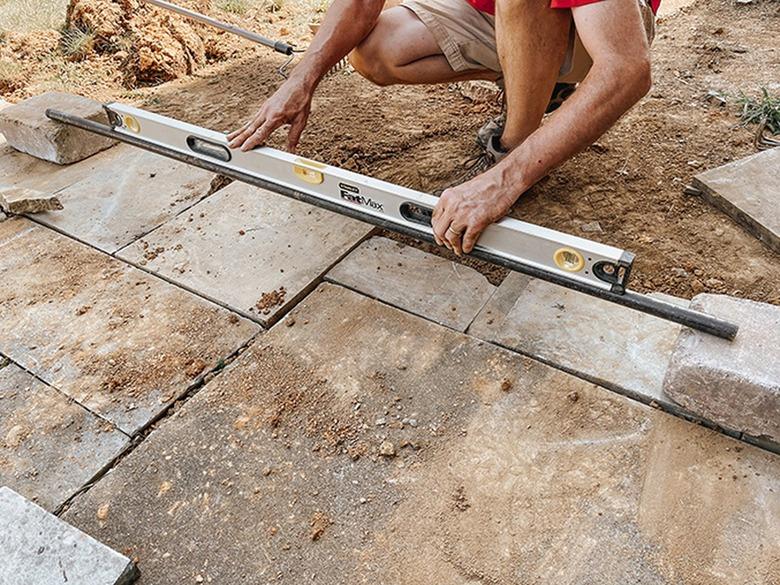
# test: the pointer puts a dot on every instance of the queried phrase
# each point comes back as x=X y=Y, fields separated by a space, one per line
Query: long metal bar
x=278 y=46
x=639 y=302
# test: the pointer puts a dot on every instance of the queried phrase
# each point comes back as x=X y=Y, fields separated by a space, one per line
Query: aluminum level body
x=568 y=256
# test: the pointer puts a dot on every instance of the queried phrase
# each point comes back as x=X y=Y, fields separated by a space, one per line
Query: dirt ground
x=631 y=182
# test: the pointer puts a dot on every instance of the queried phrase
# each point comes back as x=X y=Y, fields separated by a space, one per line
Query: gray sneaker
x=561 y=92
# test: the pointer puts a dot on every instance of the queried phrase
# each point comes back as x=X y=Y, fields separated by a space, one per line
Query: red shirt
x=489 y=6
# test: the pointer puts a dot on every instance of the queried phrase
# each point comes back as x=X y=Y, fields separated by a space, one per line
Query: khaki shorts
x=467 y=37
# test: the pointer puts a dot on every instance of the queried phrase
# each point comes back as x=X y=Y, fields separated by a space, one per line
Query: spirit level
x=576 y=263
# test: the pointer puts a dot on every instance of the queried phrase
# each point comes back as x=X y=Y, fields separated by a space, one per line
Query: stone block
x=37 y=548
x=27 y=129
x=19 y=200
x=121 y=342
x=253 y=250
x=734 y=384
x=748 y=190
x=622 y=349
x=424 y=284
x=50 y=447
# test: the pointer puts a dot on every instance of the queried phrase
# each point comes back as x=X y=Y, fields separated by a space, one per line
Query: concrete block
x=253 y=250
x=122 y=343
x=19 y=200
x=735 y=384
x=49 y=446
x=614 y=346
x=127 y=193
x=37 y=548
x=275 y=466
x=27 y=129
x=424 y=284
x=748 y=190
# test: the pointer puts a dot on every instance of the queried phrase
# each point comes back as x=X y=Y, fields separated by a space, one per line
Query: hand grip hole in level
x=208 y=148
x=417 y=213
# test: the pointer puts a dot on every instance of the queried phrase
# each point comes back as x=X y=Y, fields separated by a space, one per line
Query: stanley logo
x=352 y=194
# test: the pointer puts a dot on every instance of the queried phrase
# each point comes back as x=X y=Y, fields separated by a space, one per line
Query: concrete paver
x=119 y=341
x=616 y=347
x=748 y=191
x=505 y=471
x=39 y=548
x=737 y=383
x=49 y=446
x=255 y=251
x=129 y=193
x=26 y=128
x=424 y=284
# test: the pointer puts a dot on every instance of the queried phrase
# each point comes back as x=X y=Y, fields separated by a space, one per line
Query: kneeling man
x=534 y=49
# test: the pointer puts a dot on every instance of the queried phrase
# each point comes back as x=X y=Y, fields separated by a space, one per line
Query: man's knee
x=371 y=64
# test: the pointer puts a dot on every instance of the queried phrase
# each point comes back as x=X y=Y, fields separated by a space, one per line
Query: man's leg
x=532 y=39
x=401 y=49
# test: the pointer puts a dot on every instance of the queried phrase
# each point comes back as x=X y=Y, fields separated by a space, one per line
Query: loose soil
x=631 y=182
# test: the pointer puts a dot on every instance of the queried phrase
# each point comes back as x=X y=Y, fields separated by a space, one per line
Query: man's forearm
x=346 y=23
x=605 y=95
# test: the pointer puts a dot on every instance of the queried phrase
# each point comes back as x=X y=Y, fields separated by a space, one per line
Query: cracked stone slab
x=438 y=289
x=121 y=342
x=38 y=548
x=613 y=346
x=49 y=445
x=252 y=250
x=362 y=444
x=748 y=191
x=27 y=129
x=733 y=383
x=128 y=194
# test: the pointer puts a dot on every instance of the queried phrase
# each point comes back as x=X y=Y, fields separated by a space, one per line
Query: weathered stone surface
x=39 y=548
x=512 y=472
x=20 y=200
x=735 y=384
x=119 y=341
x=49 y=446
x=3 y=105
x=252 y=250
x=26 y=128
x=126 y=195
x=424 y=284
x=748 y=190
x=616 y=347
x=24 y=171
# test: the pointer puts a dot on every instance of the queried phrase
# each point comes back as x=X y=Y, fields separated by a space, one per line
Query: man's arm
x=346 y=23
x=613 y=34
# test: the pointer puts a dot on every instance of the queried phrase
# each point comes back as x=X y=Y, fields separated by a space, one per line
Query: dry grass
x=29 y=15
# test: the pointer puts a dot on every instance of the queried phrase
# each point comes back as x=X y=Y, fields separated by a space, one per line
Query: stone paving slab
x=49 y=446
x=363 y=444
x=438 y=289
x=748 y=190
x=128 y=194
x=119 y=341
x=733 y=383
x=252 y=250
x=37 y=548
x=613 y=346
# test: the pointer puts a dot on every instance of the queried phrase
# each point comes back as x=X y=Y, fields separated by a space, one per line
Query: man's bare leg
x=401 y=49
x=532 y=40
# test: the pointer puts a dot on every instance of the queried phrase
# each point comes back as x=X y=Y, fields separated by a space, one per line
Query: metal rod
x=278 y=46
x=689 y=318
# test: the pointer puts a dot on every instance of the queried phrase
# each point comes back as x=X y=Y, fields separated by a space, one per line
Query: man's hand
x=463 y=212
x=290 y=104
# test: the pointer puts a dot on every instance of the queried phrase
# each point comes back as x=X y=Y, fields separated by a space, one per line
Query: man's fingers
x=454 y=236
x=261 y=135
x=470 y=238
x=439 y=225
x=294 y=135
x=235 y=133
x=247 y=131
